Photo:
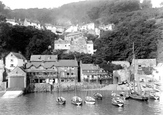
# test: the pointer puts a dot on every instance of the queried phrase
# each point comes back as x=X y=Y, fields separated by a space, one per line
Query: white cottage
x=13 y=60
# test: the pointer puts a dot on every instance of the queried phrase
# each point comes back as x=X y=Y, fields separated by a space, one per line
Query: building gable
x=17 y=71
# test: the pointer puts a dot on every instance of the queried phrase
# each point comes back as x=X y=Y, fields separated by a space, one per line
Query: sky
x=16 y=4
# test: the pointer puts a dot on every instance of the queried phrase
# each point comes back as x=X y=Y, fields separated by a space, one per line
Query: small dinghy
x=138 y=97
x=154 y=95
x=76 y=101
x=61 y=100
x=89 y=100
x=98 y=96
x=118 y=101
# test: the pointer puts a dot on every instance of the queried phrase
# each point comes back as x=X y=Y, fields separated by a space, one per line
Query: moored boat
x=118 y=101
x=89 y=100
x=98 y=96
x=76 y=100
x=61 y=100
x=154 y=95
x=138 y=97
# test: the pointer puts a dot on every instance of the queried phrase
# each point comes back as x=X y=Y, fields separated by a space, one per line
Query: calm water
x=44 y=104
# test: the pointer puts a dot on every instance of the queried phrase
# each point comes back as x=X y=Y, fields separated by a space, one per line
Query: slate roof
x=18 y=55
x=89 y=67
x=67 y=63
x=60 y=63
x=46 y=58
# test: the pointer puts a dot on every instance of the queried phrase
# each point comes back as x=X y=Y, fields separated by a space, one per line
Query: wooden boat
x=61 y=100
x=76 y=101
x=89 y=100
x=154 y=95
x=139 y=94
x=118 y=101
x=138 y=97
x=98 y=96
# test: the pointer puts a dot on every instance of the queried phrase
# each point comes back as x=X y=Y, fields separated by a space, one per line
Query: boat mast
x=133 y=51
x=58 y=75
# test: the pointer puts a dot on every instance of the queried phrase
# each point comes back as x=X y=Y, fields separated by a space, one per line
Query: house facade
x=61 y=44
x=13 y=60
x=42 y=69
x=48 y=69
x=93 y=73
x=90 y=26
x=143 y=68
x=68 y=70
x=75 y=44
x=90 y=47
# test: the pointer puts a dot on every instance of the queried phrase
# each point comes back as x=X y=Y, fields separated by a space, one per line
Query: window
x=12 y=65
x=72 y=73
x=11 y=60
x=62 y=80
x=67 y=73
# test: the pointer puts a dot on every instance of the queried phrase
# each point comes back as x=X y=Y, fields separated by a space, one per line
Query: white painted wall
x=11 y=59
x=90 y=49
x=62 y=46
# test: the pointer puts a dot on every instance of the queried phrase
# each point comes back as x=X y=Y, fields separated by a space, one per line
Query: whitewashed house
x=90 y=47
x=61 y=44
x=13 y=60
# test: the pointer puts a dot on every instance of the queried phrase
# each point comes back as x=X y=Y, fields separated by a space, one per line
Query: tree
x=146 y=4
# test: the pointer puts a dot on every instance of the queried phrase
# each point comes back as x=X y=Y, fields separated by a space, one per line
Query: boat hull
x=118 y=101
x=154 y=97
x=118 y=104
x=90 y=102
x=139 y=98
x=98 y=96
x=61 y=101
x=76 y=101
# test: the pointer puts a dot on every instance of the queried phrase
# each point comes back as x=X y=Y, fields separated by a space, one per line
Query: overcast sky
x=15 y=4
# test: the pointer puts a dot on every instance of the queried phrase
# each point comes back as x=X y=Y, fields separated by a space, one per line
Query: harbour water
x=45 y=104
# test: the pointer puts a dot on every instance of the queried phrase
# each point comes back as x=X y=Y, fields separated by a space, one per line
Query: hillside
x=72 y=13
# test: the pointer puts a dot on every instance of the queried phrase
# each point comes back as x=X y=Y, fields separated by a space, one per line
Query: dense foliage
x=135 y=23
x=26 y=40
